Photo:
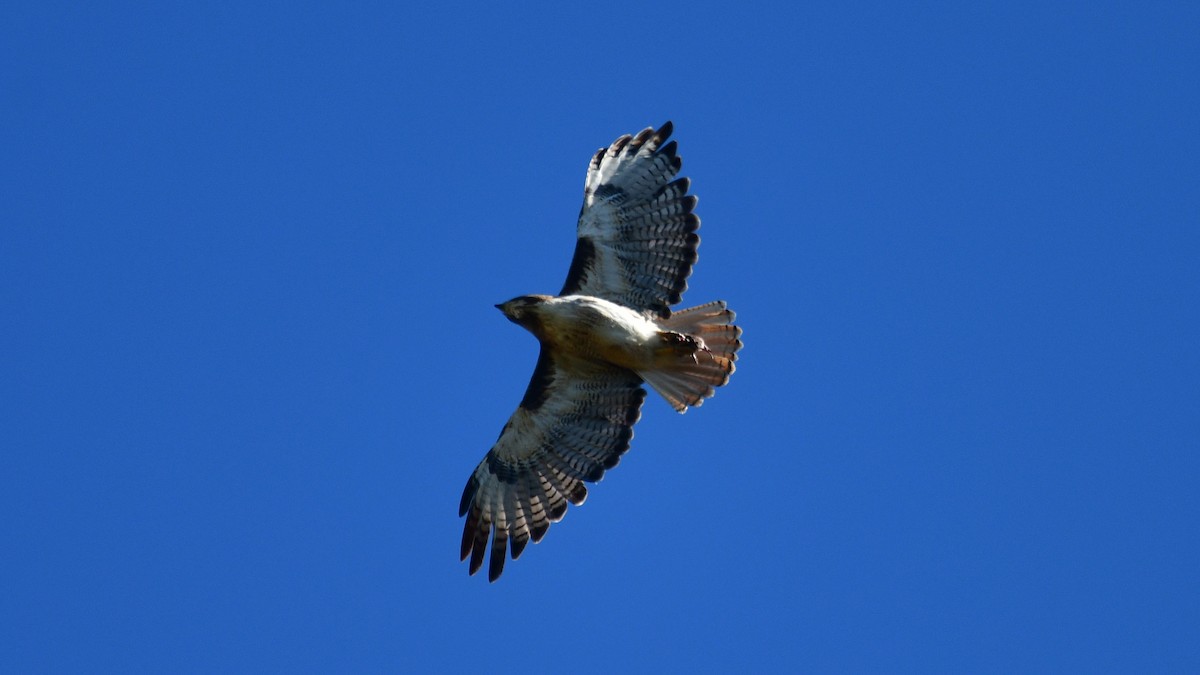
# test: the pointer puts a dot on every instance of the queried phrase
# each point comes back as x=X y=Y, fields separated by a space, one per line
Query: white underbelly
x=600 y=330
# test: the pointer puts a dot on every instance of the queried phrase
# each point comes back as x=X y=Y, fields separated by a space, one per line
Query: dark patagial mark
x=581 y=265
x=539 y=385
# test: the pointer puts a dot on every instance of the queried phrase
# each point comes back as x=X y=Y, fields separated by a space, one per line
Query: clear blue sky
x=248 y=257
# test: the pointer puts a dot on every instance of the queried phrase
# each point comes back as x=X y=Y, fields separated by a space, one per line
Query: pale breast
x=600 y=330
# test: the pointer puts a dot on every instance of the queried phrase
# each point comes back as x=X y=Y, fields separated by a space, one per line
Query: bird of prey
x=607 y=331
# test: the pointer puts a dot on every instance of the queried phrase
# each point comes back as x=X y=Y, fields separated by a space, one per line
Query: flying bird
x=609 y=330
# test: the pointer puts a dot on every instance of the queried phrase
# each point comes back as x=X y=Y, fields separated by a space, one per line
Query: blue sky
x=249 y=253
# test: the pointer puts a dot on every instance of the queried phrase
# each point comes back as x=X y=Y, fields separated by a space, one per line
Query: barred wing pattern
x=573 y=424
x=637 y=234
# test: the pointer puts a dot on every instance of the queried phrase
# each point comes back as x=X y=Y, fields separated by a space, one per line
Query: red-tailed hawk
x=609 y=330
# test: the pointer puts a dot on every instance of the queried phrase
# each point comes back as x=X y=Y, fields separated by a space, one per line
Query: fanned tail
x=702 y=345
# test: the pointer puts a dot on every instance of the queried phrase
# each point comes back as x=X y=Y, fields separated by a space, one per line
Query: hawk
x=609 y=330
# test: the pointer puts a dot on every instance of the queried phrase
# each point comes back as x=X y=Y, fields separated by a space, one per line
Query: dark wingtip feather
x=479 y=544
x=578 y=494
x=468 y=495
x=619 y=145
x=468 y=539
x=679 y=186
x=539 y=530
x=496 y=564
x=518 y=545
x=665 y=131
x=640 y=140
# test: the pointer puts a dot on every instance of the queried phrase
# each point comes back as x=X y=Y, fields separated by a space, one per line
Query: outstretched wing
x=573 y=424
x=637 y=233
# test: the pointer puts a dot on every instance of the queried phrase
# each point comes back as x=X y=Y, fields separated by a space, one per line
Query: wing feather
x=574 y=423
x=637 y=241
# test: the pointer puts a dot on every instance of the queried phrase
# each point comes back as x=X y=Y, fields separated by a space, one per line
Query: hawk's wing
x=637 y=233
x=574 y=423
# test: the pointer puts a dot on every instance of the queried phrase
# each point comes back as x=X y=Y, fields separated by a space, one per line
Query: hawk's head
x=523 y=310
